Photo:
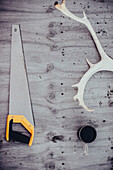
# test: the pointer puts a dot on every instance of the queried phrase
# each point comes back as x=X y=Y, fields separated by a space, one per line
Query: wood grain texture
x=55 y=49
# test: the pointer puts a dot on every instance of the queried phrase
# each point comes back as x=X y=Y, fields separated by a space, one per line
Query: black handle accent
x=17 y=136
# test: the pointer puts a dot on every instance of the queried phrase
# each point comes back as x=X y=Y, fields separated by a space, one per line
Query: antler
x=105 y=64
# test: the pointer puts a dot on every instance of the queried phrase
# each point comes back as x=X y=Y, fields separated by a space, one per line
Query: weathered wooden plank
x=55 y=49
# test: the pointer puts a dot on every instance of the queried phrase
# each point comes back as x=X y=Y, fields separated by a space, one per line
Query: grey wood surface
x=55 y=49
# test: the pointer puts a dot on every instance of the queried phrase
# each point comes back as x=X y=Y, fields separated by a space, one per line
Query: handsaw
x=20 y=108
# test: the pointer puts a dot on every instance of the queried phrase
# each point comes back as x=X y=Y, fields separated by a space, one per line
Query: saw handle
x=18 y=136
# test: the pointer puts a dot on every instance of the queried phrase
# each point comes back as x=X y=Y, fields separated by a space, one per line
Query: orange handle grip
x=20 y=119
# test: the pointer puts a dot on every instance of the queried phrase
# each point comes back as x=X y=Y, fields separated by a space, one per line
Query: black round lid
x=87 y=134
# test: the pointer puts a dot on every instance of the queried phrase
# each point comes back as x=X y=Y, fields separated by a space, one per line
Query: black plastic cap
x=87 y=134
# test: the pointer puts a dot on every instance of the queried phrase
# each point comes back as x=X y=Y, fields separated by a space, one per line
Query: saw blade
x=20 y=109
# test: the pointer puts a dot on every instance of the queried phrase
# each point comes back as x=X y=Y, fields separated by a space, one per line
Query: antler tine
x=65 y=11
x=86 y=22
x=105 y=64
